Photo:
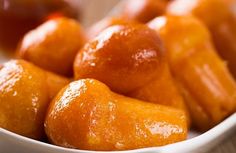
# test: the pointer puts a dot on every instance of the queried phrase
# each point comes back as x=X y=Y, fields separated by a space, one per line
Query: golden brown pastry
x=98 y=27
x=220 y=18
x=143 y=10
x=25 y=92
x=53 y=45
x=130 y=60
x=87 y=115
x=203 y=77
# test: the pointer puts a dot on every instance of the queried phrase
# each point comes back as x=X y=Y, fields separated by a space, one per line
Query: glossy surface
x=220 y=18
x=130 y=60
x=25 y=93
x=144 y=10
x=210 y=139
x=87 y=115
x=53 y=45
x=209 y=88
x=98 y=27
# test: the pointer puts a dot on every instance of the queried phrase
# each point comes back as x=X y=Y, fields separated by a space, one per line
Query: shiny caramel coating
x=88 y=115
x=220 y=18
x=98 y=27
x=25 y=92
x=53 y=45
x=143 y=10
x=130 y=60
x=131 y=53
x=202 y=76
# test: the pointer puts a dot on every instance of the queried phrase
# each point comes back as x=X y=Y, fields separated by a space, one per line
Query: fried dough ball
x=53 y=45
x=130 y=60
x=25 y=92
x=88 y=115
x=203 y=77
x=220 y=18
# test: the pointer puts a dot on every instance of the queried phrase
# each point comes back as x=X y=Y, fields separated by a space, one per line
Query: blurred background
x=19 y=16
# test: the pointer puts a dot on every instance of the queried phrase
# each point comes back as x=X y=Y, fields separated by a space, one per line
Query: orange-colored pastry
x=143 y=10
x=130 y=60
x=204 y=79
x=55 y=83
x=220 y=18
x=53 y=45
x=25 y=92
x=87 y=115
x=98 y=27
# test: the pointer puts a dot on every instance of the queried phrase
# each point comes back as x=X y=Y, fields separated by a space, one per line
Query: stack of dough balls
x=141 y=79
